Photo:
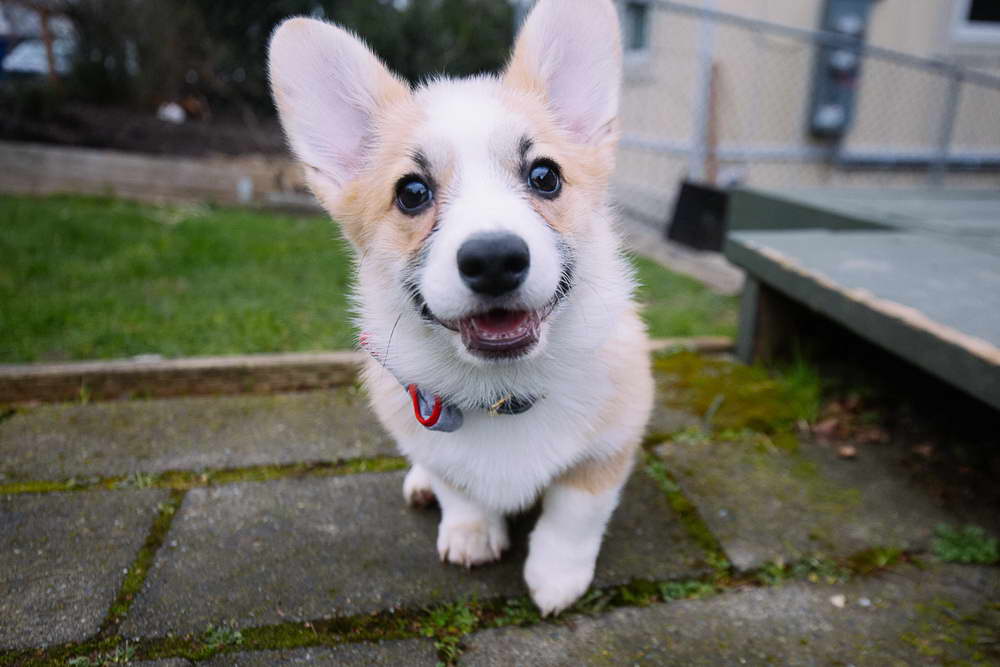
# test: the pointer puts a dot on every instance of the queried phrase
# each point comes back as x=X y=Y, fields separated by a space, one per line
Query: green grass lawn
x=86 y=278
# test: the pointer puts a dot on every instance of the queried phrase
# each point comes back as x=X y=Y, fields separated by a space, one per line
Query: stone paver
x=55 y=442
x=411 y=652
x=764 y=506
x=904 y=617
x=62 y=560
x=295 y=549
x=116 y=438
x=311 y=548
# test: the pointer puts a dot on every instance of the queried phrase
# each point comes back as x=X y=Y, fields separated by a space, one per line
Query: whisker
x=388 y=345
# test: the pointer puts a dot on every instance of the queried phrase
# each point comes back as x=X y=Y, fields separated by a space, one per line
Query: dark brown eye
x=413 y=195
x=544 y=178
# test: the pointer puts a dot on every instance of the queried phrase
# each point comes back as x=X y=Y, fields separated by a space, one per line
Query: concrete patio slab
x=54 y=442
x=418 y=653
x=774 y=505
x=315 y=548
x=62 y=559
x=944 y=615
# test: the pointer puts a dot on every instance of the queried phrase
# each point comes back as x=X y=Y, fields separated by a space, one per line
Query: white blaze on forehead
x=475 y=139
x=467 y=127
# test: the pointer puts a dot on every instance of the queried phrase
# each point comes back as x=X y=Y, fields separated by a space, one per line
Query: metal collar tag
x=433 y=413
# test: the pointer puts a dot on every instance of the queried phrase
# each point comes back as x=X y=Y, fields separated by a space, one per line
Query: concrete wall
x=42 y=169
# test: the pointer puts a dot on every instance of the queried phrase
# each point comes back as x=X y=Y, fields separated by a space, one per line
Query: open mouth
x=500 y=333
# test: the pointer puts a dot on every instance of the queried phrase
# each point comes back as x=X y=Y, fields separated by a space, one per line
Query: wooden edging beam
x=257 y=374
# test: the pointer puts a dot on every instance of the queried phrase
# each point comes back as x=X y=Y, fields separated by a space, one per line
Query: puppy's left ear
x=570 y=52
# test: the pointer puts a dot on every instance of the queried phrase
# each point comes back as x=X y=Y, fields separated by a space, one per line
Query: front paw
x=417 y=489
x=555 y=584
x=473 y=542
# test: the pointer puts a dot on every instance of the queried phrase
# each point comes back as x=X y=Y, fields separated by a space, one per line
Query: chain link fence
x=723 y=99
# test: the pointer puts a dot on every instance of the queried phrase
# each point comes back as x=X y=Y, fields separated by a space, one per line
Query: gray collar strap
x=435 y=414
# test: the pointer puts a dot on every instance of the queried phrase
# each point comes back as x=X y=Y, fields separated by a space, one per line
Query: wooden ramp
x=917 y=273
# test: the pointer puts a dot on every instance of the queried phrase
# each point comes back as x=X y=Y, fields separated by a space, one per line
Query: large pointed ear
x=570 y=52
x=328 y=87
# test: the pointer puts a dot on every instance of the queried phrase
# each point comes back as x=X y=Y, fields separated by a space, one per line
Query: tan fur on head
x=352 y=122
x=365 y=207
x=368 y=201
x=587 y=168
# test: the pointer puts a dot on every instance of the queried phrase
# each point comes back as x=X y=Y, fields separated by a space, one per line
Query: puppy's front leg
x=567 y=537
x=469 y=534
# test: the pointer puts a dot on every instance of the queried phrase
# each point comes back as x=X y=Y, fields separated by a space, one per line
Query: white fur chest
x=503 y=461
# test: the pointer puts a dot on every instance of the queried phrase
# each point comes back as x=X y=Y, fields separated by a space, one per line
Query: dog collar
x=431 y=411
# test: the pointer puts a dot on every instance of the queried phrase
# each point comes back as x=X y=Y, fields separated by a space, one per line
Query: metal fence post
x=939 y=166
x=703 y=92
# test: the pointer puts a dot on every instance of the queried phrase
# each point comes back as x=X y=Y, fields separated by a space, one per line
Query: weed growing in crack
x=447 y=624
x=684 y=590
x=965 y=544
x=519 y=611
x=594 y=602
x=218 y=636
x=814 y=569
x=121 y=655
x=137 y=480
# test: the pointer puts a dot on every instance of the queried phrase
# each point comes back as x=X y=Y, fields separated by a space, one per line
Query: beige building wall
x=762 y=91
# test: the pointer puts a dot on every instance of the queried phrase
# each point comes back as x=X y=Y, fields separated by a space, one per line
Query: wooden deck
x=915 y=272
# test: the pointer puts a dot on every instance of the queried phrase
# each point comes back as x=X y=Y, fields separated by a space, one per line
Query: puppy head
x=467 y=200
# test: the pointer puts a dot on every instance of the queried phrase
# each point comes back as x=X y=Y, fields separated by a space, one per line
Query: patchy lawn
x=86 y=278
x=676 y=305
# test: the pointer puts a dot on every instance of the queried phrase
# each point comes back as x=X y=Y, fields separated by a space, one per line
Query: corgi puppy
x=508 y=359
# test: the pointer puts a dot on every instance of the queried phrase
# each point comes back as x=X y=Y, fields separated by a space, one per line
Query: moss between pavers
x=187 y=479
x=751 y=418
x=730 y=397
x=735 y=398
x=693 y=523
x=136 y=575
x=966 y=544
x=741 y=403
x=939 y=630
x=448 y=624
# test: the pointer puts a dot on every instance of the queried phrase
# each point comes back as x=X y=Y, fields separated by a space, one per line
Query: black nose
x=494 y=263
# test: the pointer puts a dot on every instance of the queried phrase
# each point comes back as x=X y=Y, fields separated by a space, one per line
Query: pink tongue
x=500 y=321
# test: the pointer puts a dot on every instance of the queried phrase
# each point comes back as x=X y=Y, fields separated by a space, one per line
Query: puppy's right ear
x=328 y=87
